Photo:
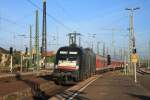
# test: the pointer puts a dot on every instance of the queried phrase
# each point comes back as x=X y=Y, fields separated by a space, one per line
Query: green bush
x=16 y=58
x=51 y=59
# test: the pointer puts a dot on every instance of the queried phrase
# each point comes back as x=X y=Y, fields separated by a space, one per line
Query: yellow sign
x=134 y=58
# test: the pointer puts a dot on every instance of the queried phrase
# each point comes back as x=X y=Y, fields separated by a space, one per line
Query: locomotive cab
x=73 y=64
x=67 y=64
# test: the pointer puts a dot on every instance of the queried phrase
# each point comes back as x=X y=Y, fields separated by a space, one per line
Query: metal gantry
x=73 y=38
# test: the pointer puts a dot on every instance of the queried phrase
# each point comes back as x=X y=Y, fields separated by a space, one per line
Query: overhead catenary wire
x=16 y=23
x=50 y=16
x=7 y=20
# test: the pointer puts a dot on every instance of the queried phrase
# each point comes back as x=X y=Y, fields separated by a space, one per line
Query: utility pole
x=21 y=53
x=14 y=41
x=113 y=51
x=79 y=41
x=139 y=62
x=57 y=40
x=149 y=55
x=30 y=61
x=113 y=42
x=37 y=40
x=132 y=46
x=11 y=59
x=69 y=39
x=93 y=36
x=98 y=48
x=44 y=34
x=21 y=61
x=121 y=53
x=103 y=48
x=125 y=61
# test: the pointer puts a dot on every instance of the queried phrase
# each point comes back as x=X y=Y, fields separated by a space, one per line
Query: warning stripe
x=68 y=67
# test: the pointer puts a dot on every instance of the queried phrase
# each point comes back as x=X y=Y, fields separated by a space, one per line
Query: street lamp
x=132 y=34
x=132 y=40
x=136 y=8
x=22 y=35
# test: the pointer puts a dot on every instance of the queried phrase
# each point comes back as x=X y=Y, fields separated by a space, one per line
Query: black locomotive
x=73 y=64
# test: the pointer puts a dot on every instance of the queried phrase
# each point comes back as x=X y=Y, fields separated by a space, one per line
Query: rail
x=143 y=71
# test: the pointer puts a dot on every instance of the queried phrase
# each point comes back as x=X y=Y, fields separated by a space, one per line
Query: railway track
x=38 y=88
x=72 y=92
x=143 y=72
x=29 y=88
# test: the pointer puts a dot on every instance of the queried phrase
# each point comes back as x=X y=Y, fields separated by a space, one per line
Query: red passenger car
x=102 y=63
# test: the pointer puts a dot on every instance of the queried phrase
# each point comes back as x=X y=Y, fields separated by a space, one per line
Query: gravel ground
x=31 y=88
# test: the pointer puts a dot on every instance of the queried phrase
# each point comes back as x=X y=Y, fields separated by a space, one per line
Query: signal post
x=134 y=60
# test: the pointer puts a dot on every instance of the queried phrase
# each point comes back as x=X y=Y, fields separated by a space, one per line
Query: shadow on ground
x=38 y=94
x=47 y=77
x=141 y=97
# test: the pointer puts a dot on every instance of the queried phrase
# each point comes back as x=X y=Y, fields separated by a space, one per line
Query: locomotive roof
x=80 y=49
x=71 y=48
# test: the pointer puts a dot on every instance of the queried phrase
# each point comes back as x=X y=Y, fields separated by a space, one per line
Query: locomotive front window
x=73 y=53
x=62 y=55
x=69 y=55
x=63 y=52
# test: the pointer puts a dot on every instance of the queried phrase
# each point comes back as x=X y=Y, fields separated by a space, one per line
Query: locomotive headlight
x=56 y=66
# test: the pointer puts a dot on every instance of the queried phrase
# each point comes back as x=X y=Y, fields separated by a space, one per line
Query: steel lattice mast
x=44 y=33
x=37 y=39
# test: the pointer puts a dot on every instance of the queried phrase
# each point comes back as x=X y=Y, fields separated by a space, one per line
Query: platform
x=114 y=86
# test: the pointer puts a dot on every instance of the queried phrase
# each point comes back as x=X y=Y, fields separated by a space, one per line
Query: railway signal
x=134 y=60
x=11 y=50
x=108 y=59
x=26 y=51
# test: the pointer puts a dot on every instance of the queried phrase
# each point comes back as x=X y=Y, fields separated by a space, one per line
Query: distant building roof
x=2 y=50
x=51 y=53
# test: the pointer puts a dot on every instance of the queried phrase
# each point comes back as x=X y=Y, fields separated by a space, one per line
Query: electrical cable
x=50 y=16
